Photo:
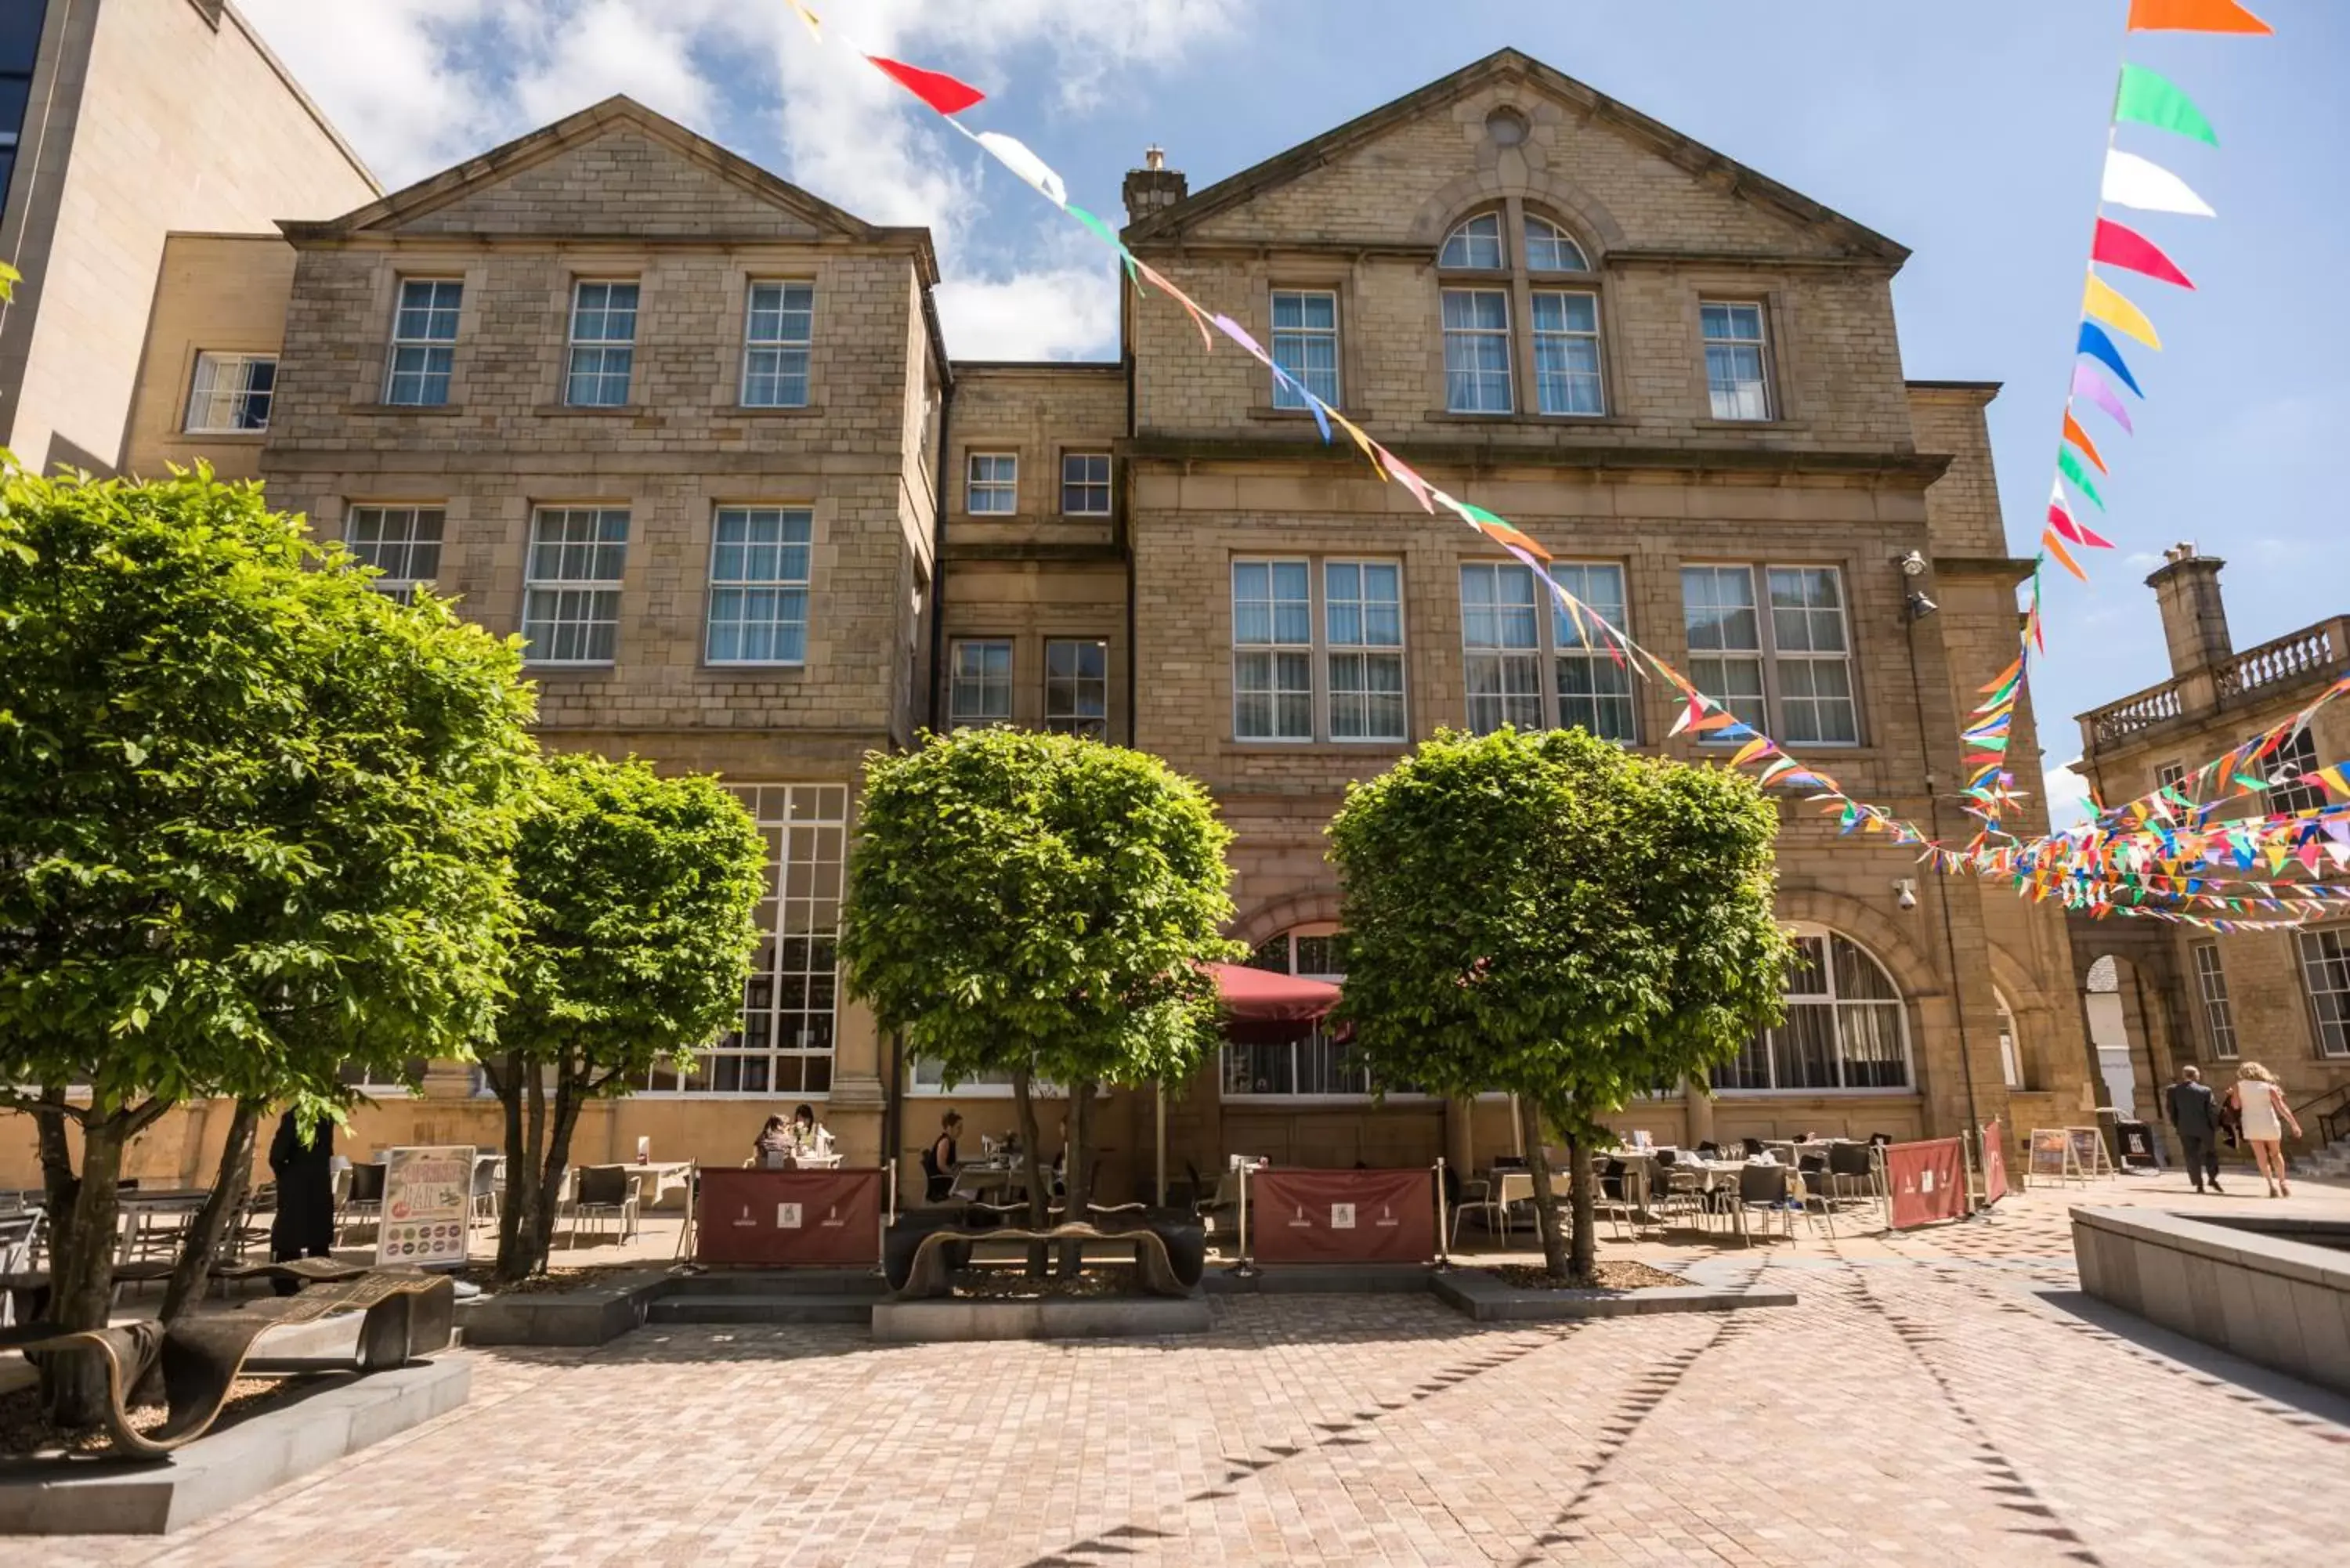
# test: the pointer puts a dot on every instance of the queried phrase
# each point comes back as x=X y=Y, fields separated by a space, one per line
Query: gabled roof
x=505 y=162
x=1685 y=151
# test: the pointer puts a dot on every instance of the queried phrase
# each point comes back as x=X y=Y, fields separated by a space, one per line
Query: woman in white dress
x=2260 y=1101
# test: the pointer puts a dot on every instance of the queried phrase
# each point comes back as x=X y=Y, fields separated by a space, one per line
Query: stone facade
x=1853 y=470
x=2196 y=995
x=145 y=116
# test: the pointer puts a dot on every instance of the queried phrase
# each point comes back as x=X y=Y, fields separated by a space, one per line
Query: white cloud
x=419 y=85
x=2067 y=794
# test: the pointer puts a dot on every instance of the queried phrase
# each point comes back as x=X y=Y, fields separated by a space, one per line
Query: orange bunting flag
x=2080 y=438
x=2194 y=17
x=2056 y=547
x=2004 y=676
x=1689 y=715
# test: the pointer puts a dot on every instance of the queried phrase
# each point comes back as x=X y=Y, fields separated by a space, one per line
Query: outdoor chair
x=250 y=1228
x=1614 y=1195
x=362 y=1203
x=1483 y=1195
x=601 y=1193
x=489 y=1180
x=20 y=1234
x=1763 y=1188
x=1852 y=1173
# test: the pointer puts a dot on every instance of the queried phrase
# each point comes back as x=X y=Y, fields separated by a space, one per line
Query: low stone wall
x=2279 y=1301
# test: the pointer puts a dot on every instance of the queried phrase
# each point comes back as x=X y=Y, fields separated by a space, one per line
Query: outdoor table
x=655 y=1181
x=982 y=1178
x=139 y=1210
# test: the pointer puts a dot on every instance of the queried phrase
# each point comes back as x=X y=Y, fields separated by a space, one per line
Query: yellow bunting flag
x=2108 y=305
x=815 y=28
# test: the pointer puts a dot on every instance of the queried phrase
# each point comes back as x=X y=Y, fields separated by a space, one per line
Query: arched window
x=2011 y=1043
x=1316 y=1065
x=1845 y=1030
x=1484 y=291
x=1550 y=248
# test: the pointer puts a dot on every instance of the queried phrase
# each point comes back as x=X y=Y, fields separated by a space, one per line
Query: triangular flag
x=2056 y=547
x=1199 y=316
x=2194 y=17
x=2080 y=438
x=2118 y=245
x=2134 y=181
x=2099 y=345
x=1015 y=155
x=2147 y=97
x=2069 y=467
x=2062 y=520
x=2087 y=383
x=2108 y=305
x=815 y=28
x=937 y=88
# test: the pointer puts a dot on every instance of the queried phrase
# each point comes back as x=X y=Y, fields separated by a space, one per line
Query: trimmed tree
x=254 y=819
x=639 y=898
x=1552 y=915
x=1038 y=905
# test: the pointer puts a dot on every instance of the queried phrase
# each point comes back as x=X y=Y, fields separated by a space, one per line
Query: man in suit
x=2196 y=1119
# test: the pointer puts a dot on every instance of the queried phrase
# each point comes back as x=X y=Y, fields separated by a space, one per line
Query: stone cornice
x=1909 y=470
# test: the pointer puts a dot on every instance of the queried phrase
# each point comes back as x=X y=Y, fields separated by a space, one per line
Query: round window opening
x=1507 y=127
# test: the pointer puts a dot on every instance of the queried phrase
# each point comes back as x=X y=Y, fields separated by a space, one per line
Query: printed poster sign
x=427 y=1194
x=1994 y=1147
x=782 y=1219
x=2051 y=1156
x=1343 y=1216
x=1928 y=1181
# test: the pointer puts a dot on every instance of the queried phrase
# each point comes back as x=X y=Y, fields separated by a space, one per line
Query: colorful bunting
x=2087 y=383
x=2146 y=97
x=2080 y=438
x=1015 y=155
x=2098 y=345
x=2193 y=16
x=2134 y=181
x=2118 y=246
x=937 y=88
x=2107 y=304
x=2069 y=467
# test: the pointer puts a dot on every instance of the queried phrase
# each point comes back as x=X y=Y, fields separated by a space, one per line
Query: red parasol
x=1264 y=1008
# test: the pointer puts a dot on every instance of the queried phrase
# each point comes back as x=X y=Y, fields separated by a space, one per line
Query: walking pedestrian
x=2259 y=1099
x=304 y=1224
x=2195 y=1120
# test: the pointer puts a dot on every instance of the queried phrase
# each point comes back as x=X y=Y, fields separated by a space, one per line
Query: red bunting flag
x=2080 y=438
x=937 y=88
x=2193 y=16
x=2118 y=244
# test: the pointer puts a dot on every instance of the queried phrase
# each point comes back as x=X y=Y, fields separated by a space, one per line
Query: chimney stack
x=1154 y=187
x=2194 y=619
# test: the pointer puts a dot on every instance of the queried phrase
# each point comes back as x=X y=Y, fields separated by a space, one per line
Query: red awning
x=1261 y=1006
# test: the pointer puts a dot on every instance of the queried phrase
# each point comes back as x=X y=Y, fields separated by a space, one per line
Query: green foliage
x=1025 y=900
x=253 y=815
x=1552 y=915
x=639 y=897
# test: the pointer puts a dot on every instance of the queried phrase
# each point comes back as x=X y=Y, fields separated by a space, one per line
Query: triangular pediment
x=1629 y=182
x=615 y=169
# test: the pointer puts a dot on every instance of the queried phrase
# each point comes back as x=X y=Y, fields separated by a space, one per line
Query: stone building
x=122 y=122
x=2182 y=993
x=691 y=433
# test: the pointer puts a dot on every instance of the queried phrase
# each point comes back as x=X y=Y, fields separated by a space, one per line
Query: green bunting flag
x=2148 y=97
x=2069 y=466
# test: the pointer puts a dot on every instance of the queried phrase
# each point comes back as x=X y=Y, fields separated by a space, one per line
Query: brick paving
x=1934 y=1399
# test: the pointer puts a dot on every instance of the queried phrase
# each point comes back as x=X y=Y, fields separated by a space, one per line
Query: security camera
x=1906 y=894
x=1912 y=565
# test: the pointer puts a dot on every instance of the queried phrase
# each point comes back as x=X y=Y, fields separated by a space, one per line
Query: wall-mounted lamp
x=1919 y=606
x=1905 y=893
x=1912 y=565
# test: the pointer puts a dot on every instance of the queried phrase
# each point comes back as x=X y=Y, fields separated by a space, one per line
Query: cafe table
x=654 y=1180
x=155 y=1214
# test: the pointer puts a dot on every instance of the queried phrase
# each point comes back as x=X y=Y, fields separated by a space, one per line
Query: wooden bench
x=405 y=1314
x=1170 y=1256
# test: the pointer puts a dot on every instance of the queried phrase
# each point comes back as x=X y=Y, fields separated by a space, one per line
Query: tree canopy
x=253 y=818
x=1550 y=915
x=639 y=896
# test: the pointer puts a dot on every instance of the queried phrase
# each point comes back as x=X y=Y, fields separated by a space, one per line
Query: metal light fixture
x=1920 y=607
x=1906 y=894
x=1912 y=565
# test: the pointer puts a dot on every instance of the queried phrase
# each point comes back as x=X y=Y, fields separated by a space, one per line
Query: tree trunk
x=512 y=1080
x=1547 y=1220
x=58 y=1179
x=223 y=1207
x=1582 y=1253
x=81 y=1274
x=570 y=1095
x=1077 y=1173
x=1039 y=1198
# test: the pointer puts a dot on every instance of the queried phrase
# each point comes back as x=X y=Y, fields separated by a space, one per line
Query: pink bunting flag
x=2118 y=245
x=1416 y=487
x=2087 y=383
x=1199 y=316
x=1689 y=715
x=939 y=91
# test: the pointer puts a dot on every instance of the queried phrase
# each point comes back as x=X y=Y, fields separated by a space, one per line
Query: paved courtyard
x=1934 y=1399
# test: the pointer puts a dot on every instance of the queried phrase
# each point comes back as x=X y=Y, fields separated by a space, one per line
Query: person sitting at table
x=940 y=1159
x=773 y=1150
x=806 y=1136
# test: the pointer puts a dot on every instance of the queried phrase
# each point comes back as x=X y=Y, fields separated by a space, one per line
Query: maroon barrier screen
x=1994 y=1147
x=1928 y=1181
x=1343 y=1216
x=781 y=1217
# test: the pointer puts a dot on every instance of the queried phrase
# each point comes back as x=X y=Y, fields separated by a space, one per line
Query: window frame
x=1284 y=399
x=1506 y=335
x=1760 y=343
x=782 y=348
x=576 y=344
x=1365 y=651
x=2299 y=751
x=1768 y=653
x=240 y=400
x=427 y=346
x=1836 y=1004
x=1549 y=649
x=534 y=585
x=2214 y=1009
x=2338 y=939
x=1076 y=723
x=987 y=681
x=805 y=584
x=972 y=485
x=1567 y=337
x=1370 y=1095
x=1317 y=649
x=401 y=588
x=1523 y=285
x=1107 y=484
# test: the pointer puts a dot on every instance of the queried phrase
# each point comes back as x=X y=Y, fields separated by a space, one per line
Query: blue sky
x=1973 y=133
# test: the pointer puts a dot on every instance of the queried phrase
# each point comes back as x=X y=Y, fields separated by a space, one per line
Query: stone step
x=782 y=1283
x=790 y=1307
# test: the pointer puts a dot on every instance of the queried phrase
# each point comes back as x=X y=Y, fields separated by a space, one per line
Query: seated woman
x=938 y=1160
x=805 y=1135
x=773 y=1149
